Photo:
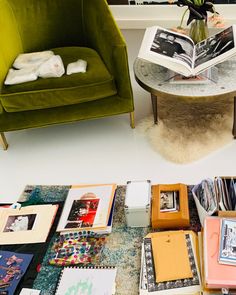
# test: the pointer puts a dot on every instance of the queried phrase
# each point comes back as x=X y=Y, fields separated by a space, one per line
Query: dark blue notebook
x=12 y=268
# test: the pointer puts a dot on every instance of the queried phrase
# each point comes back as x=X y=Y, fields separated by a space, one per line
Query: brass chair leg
x=3 y=141
x=132 y=124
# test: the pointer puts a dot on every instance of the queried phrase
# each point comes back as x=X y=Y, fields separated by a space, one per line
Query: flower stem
x=182 y=19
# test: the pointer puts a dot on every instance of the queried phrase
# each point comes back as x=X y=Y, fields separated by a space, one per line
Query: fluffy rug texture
x=189 y=129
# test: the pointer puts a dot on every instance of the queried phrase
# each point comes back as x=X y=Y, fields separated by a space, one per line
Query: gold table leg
x=132 y=124
x=3 y=141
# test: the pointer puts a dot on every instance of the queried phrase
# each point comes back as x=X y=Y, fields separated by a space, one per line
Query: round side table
x=154 y=78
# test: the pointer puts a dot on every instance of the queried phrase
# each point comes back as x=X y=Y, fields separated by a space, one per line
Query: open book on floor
x=179 y=53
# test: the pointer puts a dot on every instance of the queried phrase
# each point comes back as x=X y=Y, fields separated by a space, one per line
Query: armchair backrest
x=35 y=25
x=10 y=41
x=45 y=24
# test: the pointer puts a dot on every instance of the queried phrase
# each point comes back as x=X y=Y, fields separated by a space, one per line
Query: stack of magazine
x=212 y=196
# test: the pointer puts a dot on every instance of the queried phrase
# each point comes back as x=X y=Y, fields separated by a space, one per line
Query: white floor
x=99 y=151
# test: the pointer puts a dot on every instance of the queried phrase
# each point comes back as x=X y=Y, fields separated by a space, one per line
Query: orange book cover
x=216 y=275
x=171 y=258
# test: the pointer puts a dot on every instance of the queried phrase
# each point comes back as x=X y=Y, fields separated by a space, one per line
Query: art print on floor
x=19 y=223
x=12 y=268
x=30 y=224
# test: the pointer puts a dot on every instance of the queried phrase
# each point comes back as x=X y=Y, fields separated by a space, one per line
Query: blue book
x=12 y=268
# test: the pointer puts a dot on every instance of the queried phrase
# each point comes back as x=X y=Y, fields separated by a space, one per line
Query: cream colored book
x=87 y=207
x=26 y=225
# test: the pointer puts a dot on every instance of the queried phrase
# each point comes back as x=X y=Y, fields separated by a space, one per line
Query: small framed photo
x=168 y=201
x=170 y=207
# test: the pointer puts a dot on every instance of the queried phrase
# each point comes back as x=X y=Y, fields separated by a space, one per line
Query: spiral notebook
x=95 y=280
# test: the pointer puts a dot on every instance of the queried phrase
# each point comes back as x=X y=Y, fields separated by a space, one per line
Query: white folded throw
x=26 y=60
x=53 y=67
x=76 y=67
x=21 y=76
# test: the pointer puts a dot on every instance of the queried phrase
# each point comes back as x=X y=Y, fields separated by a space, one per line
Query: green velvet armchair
x=73 y=29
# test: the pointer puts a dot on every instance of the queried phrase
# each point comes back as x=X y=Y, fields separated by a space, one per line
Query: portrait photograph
x=172 y=45
x=167 y=201
x=19 y=223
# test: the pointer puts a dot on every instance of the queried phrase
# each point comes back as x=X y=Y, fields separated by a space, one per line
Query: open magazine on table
x=178 y=52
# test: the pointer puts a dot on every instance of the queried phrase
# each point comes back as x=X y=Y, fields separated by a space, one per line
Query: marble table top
x=155 y=79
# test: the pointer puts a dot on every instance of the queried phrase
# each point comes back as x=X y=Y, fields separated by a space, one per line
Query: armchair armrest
x=104 y=36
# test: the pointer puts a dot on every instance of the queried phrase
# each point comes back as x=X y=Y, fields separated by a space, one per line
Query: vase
x=198 y=30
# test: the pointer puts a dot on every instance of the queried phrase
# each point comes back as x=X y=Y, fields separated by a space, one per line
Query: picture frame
x=26 y=225
x=172 y=212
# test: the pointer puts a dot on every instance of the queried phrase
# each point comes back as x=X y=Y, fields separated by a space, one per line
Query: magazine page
x=215 y=49
x=169 y=49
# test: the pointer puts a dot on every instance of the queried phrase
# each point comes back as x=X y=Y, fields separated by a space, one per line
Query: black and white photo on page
x=214 y=46
x=173 y=45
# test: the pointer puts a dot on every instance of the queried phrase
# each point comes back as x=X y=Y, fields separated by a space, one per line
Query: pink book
x=216 y=275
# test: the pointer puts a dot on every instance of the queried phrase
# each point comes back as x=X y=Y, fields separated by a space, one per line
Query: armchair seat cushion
x=96 y=83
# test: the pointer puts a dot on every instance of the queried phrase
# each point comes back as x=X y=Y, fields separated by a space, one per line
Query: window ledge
x=141 y=16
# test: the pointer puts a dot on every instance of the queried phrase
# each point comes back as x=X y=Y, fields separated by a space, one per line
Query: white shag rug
x=190 y=129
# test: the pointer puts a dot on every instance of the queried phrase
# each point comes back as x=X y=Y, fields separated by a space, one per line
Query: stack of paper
x=170 y=264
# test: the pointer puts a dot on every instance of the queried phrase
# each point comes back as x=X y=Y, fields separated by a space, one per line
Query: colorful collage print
x=12 y=268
